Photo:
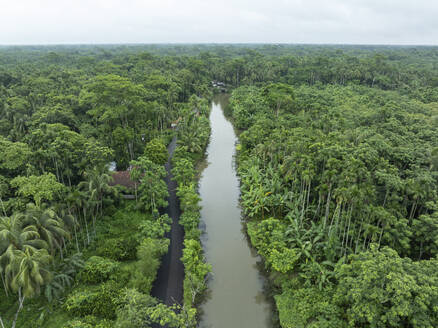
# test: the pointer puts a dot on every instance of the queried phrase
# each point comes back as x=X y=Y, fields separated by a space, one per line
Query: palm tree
x=16 y=236
x=78 y=202
x=96 y=186
x=70 y=223
x=3 y=191
x=49 y=226
x=191 y=140
x=19 y=235
x=64 y=276
x=29 y=273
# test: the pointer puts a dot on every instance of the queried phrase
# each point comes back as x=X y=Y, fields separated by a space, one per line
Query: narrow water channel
x=236 y=298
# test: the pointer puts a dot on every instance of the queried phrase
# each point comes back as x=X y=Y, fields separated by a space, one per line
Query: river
x=235 y=298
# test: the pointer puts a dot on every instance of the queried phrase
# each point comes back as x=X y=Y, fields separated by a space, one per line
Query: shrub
x=192 y=234
x=98 y=301
x=77 y=324
x=88 y=322
x=149 y=253
x=97 y=322
x=81 y=302
x=189 y=198
x=190 y=221
x=155 y=228
x=122 y=275
x=183 y=171
x=196 y=271
x=97 y=269
x=308 y=307
x=119 y=249
x=156 y=151
x=132 y=310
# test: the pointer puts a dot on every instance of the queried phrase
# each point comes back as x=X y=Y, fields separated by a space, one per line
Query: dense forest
x=73 y=251
x=339 y=186
x=338 y=161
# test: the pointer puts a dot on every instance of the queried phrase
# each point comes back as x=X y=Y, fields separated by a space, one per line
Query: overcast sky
x=193 y=21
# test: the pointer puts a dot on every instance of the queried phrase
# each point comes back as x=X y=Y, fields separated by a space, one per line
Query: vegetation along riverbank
x=338 y=166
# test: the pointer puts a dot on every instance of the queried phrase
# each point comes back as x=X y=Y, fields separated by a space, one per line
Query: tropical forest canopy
x=338 y=160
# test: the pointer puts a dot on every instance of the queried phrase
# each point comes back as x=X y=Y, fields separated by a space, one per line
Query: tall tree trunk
x=317 y=208
x=86 y=225
x=4 y=285
x=76 y=239
x=3 y=206
x=414 y=207
x=327 y=206
x=20 y=307
x=358 y=237
x=350 y=213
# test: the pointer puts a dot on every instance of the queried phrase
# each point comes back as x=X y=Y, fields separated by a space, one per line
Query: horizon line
x=213 y=43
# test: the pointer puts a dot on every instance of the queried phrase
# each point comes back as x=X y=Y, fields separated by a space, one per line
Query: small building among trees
x=123 y=178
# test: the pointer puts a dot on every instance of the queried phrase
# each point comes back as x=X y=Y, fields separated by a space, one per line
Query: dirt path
x=168 y=286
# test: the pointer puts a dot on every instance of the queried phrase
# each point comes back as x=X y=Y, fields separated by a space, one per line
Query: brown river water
x=236 y=298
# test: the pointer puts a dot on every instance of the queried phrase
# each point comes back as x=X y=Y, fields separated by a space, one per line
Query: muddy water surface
x=236 y=298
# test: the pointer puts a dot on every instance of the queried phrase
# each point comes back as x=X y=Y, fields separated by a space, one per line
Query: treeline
x=339 y=186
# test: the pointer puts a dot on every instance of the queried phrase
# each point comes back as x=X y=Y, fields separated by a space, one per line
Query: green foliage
x=196 y=271
x=15 y=155
x=267 y=235
x=81 y=302
x=338 y=170
x=380 y=289
x=89 y=322
x=61 y=122
x=279 y=96
x=99 y=301
x=245 y=103
x=118 y=249
x=77 y=324
x=63 y=277
x=425 y=228
x=339 y=147
x=39 y=188
x=155 y=228
x=190 y=221
x=97 y=269
x=153 y=189
x=133 y=309
x=156 y=151
x=149 y=254
x=183 y=171
x=188 y=197
x=308 y=308
x=174 y=316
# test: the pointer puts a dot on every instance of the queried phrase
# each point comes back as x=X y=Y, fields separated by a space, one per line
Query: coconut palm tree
x=77 y=202
x=29 y=272
x=19 y=235
x=70 y=222
x=96 y=185
x=16 y=236
x=3 y=191
x=191 y=140
x=48 y=224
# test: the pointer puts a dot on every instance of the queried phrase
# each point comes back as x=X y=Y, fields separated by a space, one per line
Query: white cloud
x=152 y=21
